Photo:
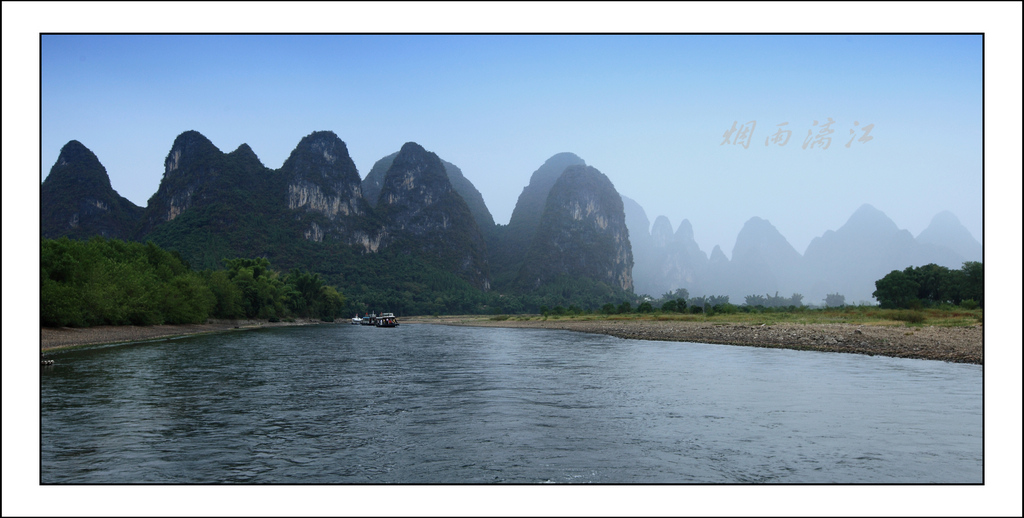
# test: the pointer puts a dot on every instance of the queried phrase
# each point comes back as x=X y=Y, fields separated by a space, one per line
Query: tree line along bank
x=111 y=282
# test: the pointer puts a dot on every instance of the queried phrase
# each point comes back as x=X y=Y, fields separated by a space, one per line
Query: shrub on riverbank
x=112 y=282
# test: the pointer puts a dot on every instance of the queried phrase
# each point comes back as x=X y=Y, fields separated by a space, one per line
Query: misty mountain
x=661 y=232
x=685 y=265
x=946 y=231
x=532 y=201
x=581 y=233
x=663 y=261
x=717 y=277
x=849 y=260
x=762 y=262
x=677 y=260
x=474 y=200
x=643 y=247
x=846 y=261
x=692 y=261
x=514 y=239
x=638 y=224
x=77 y=200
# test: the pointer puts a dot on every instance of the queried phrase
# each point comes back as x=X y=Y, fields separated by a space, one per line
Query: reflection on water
x=435 y=404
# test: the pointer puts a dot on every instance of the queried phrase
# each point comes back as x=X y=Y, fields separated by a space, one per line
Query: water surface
x=438 y=404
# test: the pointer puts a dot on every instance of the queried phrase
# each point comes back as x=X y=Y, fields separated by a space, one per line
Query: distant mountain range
x=415 y=215
x=414 y=221
x=846 y=261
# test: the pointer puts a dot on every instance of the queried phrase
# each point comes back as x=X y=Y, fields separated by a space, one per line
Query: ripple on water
x=433 y=404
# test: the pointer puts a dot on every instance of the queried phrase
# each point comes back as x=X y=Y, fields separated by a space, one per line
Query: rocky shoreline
x=950 y=344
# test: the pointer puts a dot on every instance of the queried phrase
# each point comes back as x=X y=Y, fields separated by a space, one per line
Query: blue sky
x=649 y=111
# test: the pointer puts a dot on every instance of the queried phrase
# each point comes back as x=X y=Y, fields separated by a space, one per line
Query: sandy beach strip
x=52 y=338
x=950 y=344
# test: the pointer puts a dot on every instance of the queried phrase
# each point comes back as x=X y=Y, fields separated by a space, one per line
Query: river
x=436 y=404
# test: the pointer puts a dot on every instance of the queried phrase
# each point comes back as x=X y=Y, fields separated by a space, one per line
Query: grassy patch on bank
x=861 y=315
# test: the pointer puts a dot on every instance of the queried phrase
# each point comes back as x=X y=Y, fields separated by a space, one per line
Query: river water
x=437 y=404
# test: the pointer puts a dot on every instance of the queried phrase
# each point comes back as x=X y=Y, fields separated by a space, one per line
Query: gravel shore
x=950 y=344
x=62 y=337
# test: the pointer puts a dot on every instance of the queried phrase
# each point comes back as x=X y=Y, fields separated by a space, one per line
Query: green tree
x=935 y=284
x=304 y=293
x=60 y=304
x=227 y=296
x=332 y=303
x=186 y=299
x=929 y=285
x=973 y=282
x=113 y=282
x=896 y=290
x=262 y=290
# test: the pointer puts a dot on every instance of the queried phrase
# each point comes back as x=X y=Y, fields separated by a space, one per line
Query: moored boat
x=387 y=320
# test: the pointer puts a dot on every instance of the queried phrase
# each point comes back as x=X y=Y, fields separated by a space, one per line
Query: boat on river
x=387 y=320
x=356 y=320
x=373 y=319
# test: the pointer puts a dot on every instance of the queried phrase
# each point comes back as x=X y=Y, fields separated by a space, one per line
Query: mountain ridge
x=420 y=208
x=581 y=233
x=212 y=205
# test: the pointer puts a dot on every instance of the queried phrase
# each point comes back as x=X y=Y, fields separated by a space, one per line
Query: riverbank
x=64 y=337
x=959 y=344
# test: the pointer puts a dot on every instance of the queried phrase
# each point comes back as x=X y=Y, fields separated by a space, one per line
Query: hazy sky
x=649 y=111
